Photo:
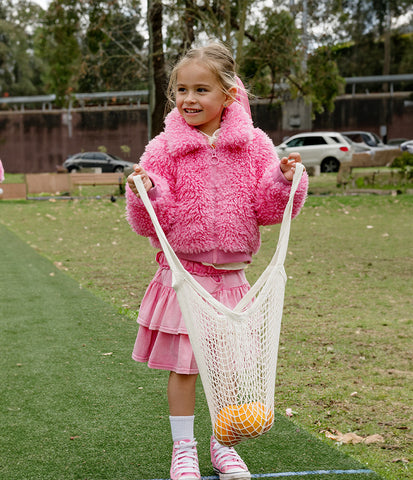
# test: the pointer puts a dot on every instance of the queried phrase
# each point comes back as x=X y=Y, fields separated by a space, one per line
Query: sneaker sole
x=233 y=476
x=189 y=478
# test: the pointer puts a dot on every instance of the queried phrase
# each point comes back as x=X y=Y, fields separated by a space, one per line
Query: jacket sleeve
x=273 y=189
x=155 y=162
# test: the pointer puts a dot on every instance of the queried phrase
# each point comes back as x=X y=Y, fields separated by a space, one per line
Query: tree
x=323 y=82
x=58 y=44
x=157 y=72
x=20 y=69
x=274 y=55
x=112 y=47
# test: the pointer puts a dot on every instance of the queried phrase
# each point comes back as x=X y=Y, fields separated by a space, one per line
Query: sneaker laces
x=185 y=458
x=227 y=456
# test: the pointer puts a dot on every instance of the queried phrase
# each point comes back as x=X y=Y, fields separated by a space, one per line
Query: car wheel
x=330 y=165
x=118 y=169
x=73 y=169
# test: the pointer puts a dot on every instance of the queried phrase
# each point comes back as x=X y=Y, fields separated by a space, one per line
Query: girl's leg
x=181 y=398
x=181 y=394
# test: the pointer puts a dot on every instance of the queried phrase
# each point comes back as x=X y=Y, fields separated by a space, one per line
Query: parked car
x=381 y=154
x=105 y=161
x=407 y=146
x=327 y=150
x=368 y=139
x=358 y=147
x=396 y=142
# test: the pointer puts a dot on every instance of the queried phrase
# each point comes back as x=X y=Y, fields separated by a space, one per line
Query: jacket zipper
x=214 y=162
x=214 y=157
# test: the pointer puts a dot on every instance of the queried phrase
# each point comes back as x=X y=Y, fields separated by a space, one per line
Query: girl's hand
x=147 y=182
x=287 y=165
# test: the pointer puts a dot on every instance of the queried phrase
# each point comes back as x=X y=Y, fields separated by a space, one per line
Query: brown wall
x=40 y=141
x=369 y=112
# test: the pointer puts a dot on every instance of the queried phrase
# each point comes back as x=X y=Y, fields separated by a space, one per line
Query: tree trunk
x=242 y=13
x=189 y=21
x=387 y=45
x=157 y=75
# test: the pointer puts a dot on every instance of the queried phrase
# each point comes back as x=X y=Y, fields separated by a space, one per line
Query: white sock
x=182 y=428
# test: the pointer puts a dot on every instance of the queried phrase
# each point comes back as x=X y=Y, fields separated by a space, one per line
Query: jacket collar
x=236 y=131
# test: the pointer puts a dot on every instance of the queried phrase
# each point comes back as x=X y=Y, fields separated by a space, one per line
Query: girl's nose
x=190 y=98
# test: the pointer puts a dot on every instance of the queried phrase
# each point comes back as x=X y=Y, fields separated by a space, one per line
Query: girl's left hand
x=287 y=165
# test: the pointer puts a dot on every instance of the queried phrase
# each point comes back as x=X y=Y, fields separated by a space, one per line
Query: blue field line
x=294 y=474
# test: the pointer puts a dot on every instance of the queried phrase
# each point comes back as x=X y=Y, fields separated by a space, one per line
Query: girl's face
x=199 y=97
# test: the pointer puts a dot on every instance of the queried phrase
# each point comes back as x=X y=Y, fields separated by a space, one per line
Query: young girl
x=213 y=179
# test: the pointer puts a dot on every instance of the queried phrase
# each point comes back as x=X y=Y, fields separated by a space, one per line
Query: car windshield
x=114 y=157
x=377 y=138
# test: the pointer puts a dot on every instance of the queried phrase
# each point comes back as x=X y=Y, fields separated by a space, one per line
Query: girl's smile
x=200 y=98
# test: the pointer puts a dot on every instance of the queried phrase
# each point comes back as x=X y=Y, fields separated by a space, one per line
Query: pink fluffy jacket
x=211 y=202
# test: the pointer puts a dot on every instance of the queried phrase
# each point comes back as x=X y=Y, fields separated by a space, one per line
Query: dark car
x=105 y=161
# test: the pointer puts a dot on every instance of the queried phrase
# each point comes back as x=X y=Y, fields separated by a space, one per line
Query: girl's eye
x=202 y=90
x=181 y=89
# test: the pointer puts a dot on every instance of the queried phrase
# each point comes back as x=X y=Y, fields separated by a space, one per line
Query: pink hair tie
x=1 y=172
x=242 y=96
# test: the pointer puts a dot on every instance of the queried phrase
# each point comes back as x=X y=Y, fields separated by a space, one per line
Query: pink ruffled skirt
x=162 y=339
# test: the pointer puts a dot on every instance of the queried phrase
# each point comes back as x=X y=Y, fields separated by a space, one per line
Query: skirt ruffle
x=162 y=339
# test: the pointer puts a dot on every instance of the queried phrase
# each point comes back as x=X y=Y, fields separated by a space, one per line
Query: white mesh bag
x=235 y=350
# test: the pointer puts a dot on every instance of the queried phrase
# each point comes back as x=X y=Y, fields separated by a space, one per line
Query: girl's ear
x=231 y=96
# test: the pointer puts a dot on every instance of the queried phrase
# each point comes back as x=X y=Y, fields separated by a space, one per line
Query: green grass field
x=74 y=405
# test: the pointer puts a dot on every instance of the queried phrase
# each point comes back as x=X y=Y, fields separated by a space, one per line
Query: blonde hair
x=217 y=58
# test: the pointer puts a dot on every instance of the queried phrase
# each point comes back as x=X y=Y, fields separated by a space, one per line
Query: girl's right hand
x=147 y=182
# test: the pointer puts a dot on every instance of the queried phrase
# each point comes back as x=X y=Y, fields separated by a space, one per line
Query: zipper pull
x=214 y=157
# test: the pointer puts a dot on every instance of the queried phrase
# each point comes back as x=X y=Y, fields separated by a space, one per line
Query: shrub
x=404 y=163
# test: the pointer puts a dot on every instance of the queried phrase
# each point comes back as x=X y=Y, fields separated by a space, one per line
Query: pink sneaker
x=184 y=464
x=227 y=463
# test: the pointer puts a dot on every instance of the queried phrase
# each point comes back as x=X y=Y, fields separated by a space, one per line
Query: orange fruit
x=253 y=419
x=223 y=428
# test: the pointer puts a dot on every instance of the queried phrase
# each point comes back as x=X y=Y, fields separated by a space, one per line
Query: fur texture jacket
x=210 y=201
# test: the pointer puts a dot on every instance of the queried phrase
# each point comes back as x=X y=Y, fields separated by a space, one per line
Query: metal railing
x=374 y=79
x=134 y=96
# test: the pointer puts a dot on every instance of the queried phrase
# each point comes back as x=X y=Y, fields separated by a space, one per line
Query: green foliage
x=323 y=81
x=112 y=57
x=274 y=54
x=57 y=44
x=404 y=163
x=91 y=46
x=125 y=149
x=366 y=56
x=99 y=46
x=20 y=68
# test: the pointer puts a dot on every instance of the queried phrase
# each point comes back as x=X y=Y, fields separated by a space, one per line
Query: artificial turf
x=75 y=406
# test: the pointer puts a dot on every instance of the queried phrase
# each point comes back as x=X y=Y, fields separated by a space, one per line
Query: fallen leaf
x=376 y=438
x=352 y=438
x=108 y=353
x=401 y=460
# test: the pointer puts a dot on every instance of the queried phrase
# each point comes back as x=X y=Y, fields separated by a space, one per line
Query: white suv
x=323 y=150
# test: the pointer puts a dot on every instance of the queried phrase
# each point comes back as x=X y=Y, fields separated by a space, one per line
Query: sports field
x=75 y=406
